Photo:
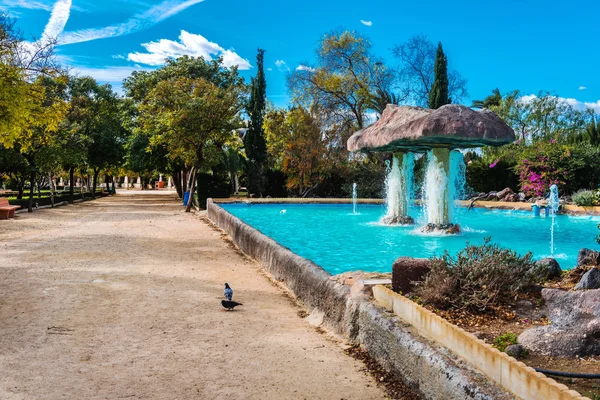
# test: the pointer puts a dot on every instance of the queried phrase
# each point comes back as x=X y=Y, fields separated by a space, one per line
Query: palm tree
x=495 y=99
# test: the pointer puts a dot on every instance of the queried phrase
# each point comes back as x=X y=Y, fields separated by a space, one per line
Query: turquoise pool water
x=338 y=241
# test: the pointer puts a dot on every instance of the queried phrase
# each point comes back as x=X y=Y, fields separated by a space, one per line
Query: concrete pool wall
x=429 y=368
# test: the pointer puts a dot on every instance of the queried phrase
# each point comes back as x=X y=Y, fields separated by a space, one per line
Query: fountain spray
x=354 y=199
x=553 y=205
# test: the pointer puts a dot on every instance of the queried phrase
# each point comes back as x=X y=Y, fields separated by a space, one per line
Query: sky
x=529 y=45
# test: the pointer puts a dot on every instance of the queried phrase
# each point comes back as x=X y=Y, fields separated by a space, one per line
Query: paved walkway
x=119 y=299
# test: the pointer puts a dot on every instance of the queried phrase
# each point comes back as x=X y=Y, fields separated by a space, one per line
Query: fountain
x=398 y=190
x=553 y=206
x=404 y=130
x=354 y=199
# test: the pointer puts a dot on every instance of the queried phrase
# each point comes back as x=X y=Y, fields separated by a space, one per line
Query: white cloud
x=582 y=88
x=282 y=65
x=269 y=69
x=28 y=4
x=58 y=20
x=304 y=68
x=576 y=104
x=140 y=21
x=188 y=44
x=367 y=23
x=107 y=74
x=118 y=56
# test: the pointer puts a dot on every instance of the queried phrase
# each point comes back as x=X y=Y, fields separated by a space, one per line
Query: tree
x=438 y=96
x=254 y=140
x=493 y=100
x=343 y=82
x=416 y=71
x=22 y=94
x=192 y=117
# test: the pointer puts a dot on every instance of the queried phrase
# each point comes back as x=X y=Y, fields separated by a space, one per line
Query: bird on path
x=229 y=305
x=228 y=293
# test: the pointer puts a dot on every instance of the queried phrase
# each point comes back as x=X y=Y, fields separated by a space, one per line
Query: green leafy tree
x=192 y=117
x=344 y=82
x=493 y=100
x=438 y=96
x=254 y=140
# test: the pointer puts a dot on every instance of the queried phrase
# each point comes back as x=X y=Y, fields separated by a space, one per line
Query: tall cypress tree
x=438 y=95
x=254 y=141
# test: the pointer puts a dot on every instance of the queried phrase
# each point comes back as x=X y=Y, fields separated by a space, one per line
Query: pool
x=339 y=241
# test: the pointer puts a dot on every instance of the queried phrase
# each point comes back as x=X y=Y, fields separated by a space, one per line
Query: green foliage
x=254 y=141
x=438 y=96
x=480 y=277
x=345 y=80
x=585 y=198
x=505 y=340
x=570 y=167
x=485 y=177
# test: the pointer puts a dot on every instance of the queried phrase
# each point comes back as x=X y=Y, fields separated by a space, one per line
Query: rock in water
x=575 y=327
x=588 y=257
x=589 y=280
x=551 y=266
x=406 y=270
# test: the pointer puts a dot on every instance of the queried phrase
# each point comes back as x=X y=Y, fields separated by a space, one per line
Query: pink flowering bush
x=543 y=165
x=569 y=166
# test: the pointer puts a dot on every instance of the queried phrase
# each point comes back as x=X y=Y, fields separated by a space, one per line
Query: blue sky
x=529 y=45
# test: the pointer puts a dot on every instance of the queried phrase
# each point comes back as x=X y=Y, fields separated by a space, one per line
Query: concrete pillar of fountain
x=438 y=195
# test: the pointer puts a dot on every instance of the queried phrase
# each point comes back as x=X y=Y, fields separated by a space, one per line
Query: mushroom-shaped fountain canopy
x=420 y=129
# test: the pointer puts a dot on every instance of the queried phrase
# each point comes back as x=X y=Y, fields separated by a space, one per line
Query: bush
x=480 y=277
x=585 y=198
x=486 y=177
x=503 y=341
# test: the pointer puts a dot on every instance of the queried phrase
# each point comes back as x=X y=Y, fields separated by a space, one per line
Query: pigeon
x=228 y=293
x=229 y=305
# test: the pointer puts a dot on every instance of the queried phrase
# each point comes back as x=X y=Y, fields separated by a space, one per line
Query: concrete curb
x=512 y=375
x=424 y=365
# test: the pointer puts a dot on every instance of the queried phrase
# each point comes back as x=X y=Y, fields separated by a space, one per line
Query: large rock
x=415 y=128
x=588 y=257
x=575 y=327
x=551 y=266
x=407 y=270
x=589 y=280
x=503 y=193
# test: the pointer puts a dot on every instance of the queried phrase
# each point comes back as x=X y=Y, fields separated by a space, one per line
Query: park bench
x=6 y=210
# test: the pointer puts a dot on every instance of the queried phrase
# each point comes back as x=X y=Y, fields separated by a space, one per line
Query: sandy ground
x=120 y=299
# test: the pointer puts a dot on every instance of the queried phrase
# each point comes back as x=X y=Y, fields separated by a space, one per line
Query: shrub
x=503 y=341
x=584 y=198
x=485 y=177
x=479 y=277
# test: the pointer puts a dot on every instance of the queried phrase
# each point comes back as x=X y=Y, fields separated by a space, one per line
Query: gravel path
x=119 y=299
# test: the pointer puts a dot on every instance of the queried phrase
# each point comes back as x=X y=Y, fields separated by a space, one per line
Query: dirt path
x=119 y=298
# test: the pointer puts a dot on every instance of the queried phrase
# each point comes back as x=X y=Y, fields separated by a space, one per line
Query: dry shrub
x=480 y=277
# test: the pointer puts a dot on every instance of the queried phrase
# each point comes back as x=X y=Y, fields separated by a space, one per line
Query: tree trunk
x=236 y=184
x=107 y=183
x=95 y=182
x=114 y=189
x=191 y=190
x=71 y=177
x=20 y=189
x=177 y=182
x=51 y=189
x=31 y=189
x=184 y=183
